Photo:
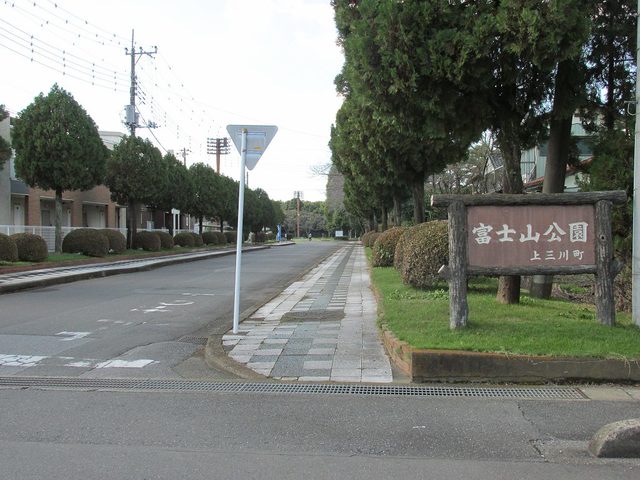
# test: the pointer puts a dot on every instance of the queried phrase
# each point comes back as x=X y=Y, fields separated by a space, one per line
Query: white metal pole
x=635 y=265
x=236 y=298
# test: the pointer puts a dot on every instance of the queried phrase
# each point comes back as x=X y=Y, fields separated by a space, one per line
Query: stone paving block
x=275 y=341
x=314 y=379
x=317 y=365
x=269 y=351
x=263 y=359
x=321 y=351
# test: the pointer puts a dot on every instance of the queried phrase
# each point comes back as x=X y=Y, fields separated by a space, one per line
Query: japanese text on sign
x=530 y=235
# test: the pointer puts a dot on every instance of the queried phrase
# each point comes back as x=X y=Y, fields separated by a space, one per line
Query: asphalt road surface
x=74 y=434
x=139 y=325
x=146 y=324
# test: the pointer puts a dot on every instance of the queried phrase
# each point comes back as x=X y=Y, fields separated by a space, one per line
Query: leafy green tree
x=228 y=201
x=5 y=148
x=58 y=148
x=177 y=187
x=205 y=197
x=135 y=176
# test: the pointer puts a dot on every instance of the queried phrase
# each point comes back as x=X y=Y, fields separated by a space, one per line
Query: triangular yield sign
x=258 y=139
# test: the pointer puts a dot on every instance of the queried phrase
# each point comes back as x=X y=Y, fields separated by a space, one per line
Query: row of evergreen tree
x=58 y=147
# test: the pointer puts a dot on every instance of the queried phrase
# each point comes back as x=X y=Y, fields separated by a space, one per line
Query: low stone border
x=461 y=366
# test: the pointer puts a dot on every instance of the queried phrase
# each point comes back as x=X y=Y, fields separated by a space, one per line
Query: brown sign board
x=531 y=235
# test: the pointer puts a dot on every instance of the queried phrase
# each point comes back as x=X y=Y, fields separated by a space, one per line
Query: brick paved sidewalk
x=318 y=329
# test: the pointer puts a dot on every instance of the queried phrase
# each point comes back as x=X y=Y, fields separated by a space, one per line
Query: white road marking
x=72 y=335
x=182 y=303
x=125 y=363
x=199 y=294
x=20 y=360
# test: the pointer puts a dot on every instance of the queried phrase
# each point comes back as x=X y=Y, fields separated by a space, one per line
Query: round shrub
x=8 y=249
x=222 y=239
x=398 y=255
x=148 y=241
x=117 y=241
x=270 y=236
x=210 y=238
x=425 y=250
x=87 y=241
x=31 y=248
x=385 y=247
x=231 y=237
x=369 y=238
x=166 y=240
x=261 y=237
x=184 y=239
x=197 y=239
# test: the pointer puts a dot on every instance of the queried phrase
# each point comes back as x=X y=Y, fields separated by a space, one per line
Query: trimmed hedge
x=197 y=239
x=222 y=239
x=166 y=240
x=87 y=241
x=31 y=248
x=8 y=249
x=369 y=238
x=210 y=238
x=184 y=239
x=425 y=250
x=148 y=241
x=384 y=247
x=117 y=241
x=231 y=237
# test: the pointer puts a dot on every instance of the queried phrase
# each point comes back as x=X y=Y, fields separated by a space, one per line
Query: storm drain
x=542 y=393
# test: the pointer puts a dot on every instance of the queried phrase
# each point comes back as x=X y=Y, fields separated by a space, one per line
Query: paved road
x=147 y=324
x=72 y=434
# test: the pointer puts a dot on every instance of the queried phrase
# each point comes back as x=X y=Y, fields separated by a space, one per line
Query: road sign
x=251 y=142
x=258 y=139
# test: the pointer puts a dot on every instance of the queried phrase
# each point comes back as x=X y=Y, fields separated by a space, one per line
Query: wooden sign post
x=554 y=234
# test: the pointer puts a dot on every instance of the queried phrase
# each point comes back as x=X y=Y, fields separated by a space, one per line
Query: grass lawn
x=534 y=327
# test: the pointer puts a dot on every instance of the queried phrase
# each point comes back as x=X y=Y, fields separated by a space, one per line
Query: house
x=533 y=161
x=30 y=206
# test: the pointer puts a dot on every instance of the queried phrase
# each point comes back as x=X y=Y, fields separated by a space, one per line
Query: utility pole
x=183 y=153
x=131 y=114
x=298 y=195
x=217 y=147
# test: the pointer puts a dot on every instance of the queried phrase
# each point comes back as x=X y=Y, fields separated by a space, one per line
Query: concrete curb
x=617 y=440
x=462 y=366
x=161 y=262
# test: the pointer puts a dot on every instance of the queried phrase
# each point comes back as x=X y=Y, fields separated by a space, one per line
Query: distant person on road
x=309 y=236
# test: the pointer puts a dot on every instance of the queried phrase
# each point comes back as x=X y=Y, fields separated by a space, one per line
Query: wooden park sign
x=554 y=234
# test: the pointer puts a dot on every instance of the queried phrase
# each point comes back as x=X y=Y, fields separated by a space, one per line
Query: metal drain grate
x=548 y=393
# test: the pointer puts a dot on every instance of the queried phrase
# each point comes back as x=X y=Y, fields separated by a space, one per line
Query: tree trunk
x=397 y=211
x=200 y=220
x=385 y=223
x=417 y=190
x=558 y=152
x=58 y=221
x=132 y=223
x=509 y=286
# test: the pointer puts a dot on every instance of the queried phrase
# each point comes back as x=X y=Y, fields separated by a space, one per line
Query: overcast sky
x=219 y=62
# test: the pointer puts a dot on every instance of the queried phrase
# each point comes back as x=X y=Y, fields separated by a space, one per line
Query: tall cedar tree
x=58 y=148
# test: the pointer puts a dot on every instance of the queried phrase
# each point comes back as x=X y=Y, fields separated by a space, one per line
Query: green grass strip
x=533 y=327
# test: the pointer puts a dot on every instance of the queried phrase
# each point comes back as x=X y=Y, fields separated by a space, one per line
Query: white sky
x=219 y=62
